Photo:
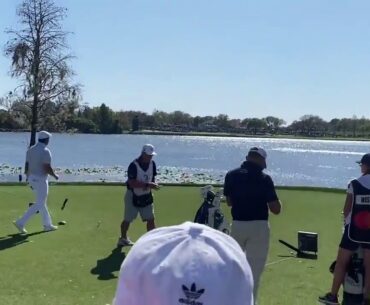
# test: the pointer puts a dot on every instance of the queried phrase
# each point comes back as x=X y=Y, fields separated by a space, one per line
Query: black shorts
x=351 y=245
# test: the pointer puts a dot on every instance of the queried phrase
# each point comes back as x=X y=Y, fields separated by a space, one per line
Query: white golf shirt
x=37 y=156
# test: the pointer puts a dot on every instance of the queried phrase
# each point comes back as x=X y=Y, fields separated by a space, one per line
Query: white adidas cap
x=185 y=264
x=148 y=149
x=44 y=135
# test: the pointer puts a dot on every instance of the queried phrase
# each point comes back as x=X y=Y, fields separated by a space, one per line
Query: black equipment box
x=307 y=241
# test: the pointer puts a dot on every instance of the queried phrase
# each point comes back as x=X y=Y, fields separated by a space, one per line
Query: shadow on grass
x=13 y=240
x=106 y=266
x=301 y=255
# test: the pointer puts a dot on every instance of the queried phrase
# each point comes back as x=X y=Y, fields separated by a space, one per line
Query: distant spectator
x=185 y=264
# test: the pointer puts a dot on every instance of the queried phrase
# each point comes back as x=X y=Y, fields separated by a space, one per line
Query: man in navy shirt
x=251 y=195
x=138 y=198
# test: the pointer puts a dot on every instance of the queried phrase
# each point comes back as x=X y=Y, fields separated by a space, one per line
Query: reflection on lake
x=193 y=159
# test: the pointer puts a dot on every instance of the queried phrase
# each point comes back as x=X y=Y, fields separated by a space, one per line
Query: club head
x=62 y=223
x=307 y=255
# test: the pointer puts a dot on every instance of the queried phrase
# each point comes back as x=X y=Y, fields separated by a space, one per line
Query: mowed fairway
x=78 y=264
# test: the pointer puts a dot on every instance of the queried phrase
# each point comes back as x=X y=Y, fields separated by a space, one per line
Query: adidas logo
x=191 y=295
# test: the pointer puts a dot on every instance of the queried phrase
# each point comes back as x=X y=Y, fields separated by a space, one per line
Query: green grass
x=76 y=266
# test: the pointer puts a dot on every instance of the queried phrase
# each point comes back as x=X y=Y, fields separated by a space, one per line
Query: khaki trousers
x=253 y=237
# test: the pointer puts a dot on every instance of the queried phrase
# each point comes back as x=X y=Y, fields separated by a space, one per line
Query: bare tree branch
x=39 y=55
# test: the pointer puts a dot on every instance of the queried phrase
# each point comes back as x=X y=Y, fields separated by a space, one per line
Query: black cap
x=365 y=160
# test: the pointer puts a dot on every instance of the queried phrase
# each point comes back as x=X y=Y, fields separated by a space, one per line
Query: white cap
x=44 y=135
x=148 y=149
x=185 y=264
x=258 y=150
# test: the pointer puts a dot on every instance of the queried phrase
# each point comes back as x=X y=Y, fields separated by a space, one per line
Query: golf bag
x=353 y=285
x=210 y=212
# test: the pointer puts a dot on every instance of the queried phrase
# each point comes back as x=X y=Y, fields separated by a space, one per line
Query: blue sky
x=242 y=58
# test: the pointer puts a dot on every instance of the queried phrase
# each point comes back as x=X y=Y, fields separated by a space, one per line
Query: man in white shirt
x=37 y=169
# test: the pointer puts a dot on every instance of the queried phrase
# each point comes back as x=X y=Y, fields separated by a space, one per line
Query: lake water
x=79 y=157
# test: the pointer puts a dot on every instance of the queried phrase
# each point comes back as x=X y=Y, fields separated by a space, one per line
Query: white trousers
x=253 y=237
x=40 y=188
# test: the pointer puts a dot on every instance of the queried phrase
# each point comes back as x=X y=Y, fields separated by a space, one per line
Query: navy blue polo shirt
x=249 y=190
x=132 y=170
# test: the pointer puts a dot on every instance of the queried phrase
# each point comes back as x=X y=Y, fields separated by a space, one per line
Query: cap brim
x=152 y=154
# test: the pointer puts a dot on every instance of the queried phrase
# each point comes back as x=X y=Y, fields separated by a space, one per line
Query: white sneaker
x=50 y=228
x=122 y=242
x=20 y=228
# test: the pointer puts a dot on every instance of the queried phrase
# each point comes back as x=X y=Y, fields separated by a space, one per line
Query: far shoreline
x=253 y=136
x=213 y=134
x=166 y=184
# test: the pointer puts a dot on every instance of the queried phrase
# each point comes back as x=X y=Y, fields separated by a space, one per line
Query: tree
x=254 y=124
x=333 y=126
x=160 y=118
x=274 y=123
x=39 y=56
x=222 y=121
x=105 y=119
x=310 y=125
x=180 y=118
x=17 y=113
x=82 y=125
x=135 y=123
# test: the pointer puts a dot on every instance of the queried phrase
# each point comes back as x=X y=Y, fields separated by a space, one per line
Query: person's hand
x=56 y=177
x=153 y=186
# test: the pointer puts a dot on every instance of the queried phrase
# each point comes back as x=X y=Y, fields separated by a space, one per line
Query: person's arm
x=50 y=171
x=274 y=206
x=26 y=168
x=348 y=205
x=154 y=185
x=347 y=208
x=47 y=164
x=134 y=183
x=227 y=190
x=273 y=201
x=154 y=171
x=26 y=165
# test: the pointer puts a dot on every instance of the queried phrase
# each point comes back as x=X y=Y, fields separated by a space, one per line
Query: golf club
x=300 y=253
x=64 y=204
x=290 y=246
